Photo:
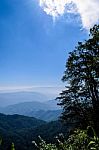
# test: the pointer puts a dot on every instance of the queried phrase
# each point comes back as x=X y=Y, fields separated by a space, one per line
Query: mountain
x=12 y=128
x=25 y=108
x=23 y=130
x=19 y=97
x=47 y=111
x=53 y=104
x=13 y=122
x=49 y=115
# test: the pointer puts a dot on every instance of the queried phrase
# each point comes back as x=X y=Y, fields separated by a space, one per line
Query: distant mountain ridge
x=19 y=97
x=29 y=104
x=24 y=108
x=47 y=111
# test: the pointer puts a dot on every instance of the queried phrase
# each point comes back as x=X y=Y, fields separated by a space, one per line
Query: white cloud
x=87 y=9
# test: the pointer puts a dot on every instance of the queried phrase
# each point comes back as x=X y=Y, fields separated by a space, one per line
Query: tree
x=80 y=99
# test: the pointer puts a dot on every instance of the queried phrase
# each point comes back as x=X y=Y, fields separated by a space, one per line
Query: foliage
x=44 y=146
x=79 y=140
x=80 y=99
x=12 y=146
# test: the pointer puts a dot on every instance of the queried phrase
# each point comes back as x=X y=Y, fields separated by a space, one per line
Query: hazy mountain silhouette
x=18 y=97
x=25 y=107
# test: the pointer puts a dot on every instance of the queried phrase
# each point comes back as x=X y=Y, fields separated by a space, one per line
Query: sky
x=36 y=37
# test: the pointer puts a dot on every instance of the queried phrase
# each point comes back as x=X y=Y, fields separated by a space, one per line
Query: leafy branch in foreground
x=79 y=140
x=12 y=146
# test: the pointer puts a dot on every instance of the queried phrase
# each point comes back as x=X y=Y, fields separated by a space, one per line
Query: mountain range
x=11 y=98
x=22 y=121
x=45 y=110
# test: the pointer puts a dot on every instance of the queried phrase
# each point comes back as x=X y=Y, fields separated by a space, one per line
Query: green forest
x=78 y=125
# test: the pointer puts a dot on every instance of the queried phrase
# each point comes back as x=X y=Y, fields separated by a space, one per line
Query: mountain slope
x=25 y=108
x=13 y=122
x=49 y=115
x=23 y=130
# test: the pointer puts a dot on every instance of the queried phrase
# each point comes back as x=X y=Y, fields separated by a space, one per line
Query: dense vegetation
x=80 y=140
x=22 y=130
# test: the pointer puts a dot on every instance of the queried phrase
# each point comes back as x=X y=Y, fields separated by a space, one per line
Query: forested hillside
x=23 y=130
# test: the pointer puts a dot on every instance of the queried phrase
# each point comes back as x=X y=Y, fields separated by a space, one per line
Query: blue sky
x=33 y=47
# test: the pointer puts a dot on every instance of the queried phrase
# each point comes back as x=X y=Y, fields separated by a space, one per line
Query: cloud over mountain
x=87 y=9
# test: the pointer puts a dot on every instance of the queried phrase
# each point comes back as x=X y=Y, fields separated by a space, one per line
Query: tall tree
x=80 y=99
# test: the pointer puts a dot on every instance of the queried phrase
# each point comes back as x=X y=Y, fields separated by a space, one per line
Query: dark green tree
x=80 y=99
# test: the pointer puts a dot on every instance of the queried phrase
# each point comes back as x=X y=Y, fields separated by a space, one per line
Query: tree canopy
x=80 y=99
